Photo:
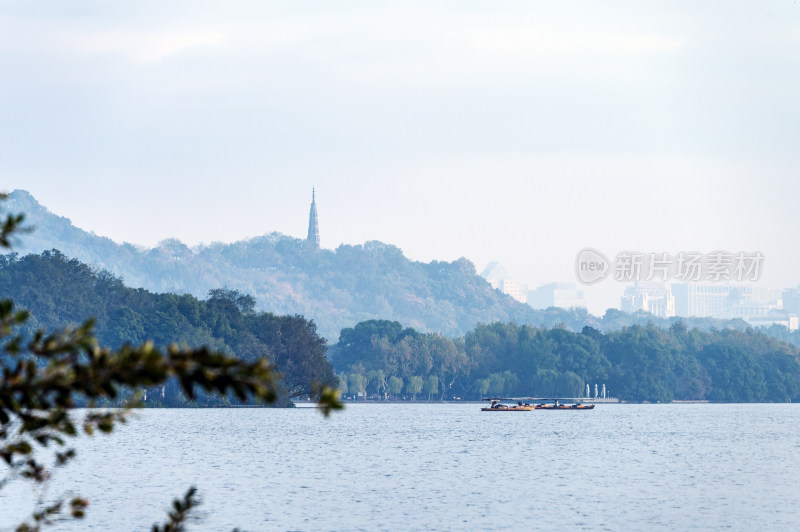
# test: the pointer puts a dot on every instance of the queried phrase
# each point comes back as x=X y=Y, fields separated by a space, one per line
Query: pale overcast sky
x=518 y=131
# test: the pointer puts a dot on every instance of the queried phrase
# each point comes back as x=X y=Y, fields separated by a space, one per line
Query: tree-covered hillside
x=638 y=363
x=336 y=288
x=58 y=291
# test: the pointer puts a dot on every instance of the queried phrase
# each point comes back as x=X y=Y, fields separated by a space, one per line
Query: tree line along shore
x=382 y=358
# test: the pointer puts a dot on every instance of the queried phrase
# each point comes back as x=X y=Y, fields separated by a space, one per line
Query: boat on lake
x=498 y=406
x=555 y=405
x=536 y=403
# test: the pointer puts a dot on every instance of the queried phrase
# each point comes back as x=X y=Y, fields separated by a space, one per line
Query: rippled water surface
x=444 y=467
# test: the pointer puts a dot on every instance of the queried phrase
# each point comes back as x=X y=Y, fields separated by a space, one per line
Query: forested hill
x=58 y=291
x=336 y=288
x=383 y=357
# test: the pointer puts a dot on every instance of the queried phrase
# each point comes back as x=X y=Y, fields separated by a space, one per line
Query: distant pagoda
x=313 y=222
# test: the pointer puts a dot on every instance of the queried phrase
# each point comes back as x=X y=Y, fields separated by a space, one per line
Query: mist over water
x=444 y=467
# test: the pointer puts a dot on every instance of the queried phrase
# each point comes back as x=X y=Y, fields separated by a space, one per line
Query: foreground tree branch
x=44 y=378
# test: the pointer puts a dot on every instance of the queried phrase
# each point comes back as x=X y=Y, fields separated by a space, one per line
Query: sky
x=517 y=131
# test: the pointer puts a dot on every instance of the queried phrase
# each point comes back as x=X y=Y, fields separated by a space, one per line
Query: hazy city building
x=725 y=300
x=515 y=289
x=653 y=297
x=791 y=300
x=498 y=277
x=313 y=221
x=756 y=305
x=776 y=317
x=559 y=295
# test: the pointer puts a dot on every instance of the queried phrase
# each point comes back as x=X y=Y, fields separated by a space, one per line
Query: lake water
x=444 y=467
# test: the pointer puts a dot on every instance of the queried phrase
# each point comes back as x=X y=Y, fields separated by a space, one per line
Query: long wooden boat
x=564 y=407
x=508 y=405
x=497 y=406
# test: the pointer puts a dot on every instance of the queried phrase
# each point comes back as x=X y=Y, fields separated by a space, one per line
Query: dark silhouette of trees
x=639 y=362
x=57 y=290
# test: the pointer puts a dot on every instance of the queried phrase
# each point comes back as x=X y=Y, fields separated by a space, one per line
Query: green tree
x=395 y=386
x=245 y=303
x=448 y=359
x=377 y=379
x=414 y=386
x=735 y=374
x=342 y=384
x=544 y=383
x=481 y=386
x=497 y=383
x=45 y=376
x=431 y=386
x=569 y=384
x=57 y=291
x=510 y=382
x=358 y=384
x=296 y=350
x=642 y=361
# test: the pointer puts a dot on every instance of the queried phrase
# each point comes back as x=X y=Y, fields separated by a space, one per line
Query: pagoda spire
x=313 y=221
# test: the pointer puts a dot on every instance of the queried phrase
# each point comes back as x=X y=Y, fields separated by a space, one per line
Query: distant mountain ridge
x=336 y=288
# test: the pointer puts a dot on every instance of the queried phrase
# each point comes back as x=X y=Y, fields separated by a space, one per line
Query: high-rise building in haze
x=724 y=300
x=791 y=300
x=756 y=305
x=499 y=279
x=313 y=221
x=559 y=295
x=653 y=297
